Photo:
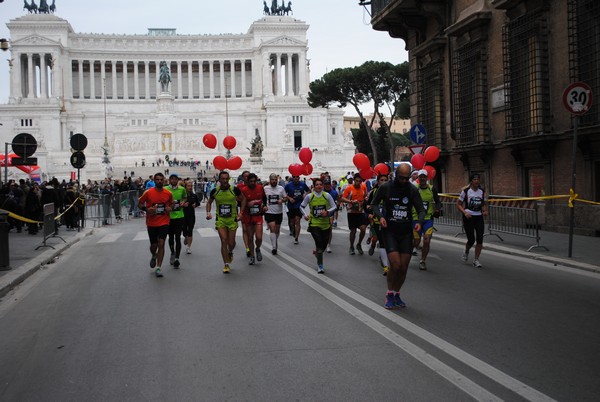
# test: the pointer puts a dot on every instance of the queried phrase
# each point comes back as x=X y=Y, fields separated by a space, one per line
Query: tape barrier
x=572 y=196
x=27 y=220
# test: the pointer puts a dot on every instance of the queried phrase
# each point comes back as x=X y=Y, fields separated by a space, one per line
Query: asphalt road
x=97 y=325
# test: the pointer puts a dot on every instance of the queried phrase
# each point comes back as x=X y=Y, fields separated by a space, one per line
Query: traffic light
x=78 y=144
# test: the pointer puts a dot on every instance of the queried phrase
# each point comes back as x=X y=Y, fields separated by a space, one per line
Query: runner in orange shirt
x=355 y=195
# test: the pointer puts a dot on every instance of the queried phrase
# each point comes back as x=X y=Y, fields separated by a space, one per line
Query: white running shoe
x=328 y=248
x=188 y=250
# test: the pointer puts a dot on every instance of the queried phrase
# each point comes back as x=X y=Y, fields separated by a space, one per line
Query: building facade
x=252 y=86
x=487 y=81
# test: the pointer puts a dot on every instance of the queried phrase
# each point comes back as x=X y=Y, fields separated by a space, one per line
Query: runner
x=473 y=205
x=227 y=200
x=157 y=203
x=321 y=207
x=189 y=216
x=253 y=206
x=243 y=182
x=274 y=215
x=376 y=226
x=177 y=218
x=431 y=203
x=355 y=195
x=295 y=191
x=329 y=188
x=398 y=199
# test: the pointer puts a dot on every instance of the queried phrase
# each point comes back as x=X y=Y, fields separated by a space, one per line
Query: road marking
x=445 y=371
x=143 y=235
x=110 y=238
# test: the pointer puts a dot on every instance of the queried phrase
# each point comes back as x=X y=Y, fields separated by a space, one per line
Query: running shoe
x=176 y=263
x=184 y=241
x=251 y=261
x=414 y=253
x=321 y=270
x=389 y=301
x=398 y=301
x=386 y=269
x=231 y=256
x=172 y=259
x=158 y=273
x=296 y=240
x=422 y=265
x=328 y=248
x=371 y=249
x=335 y=224
x=226 y=269
x=248 y=253
x=351 y=251
x=274 y=251
x=368 y=239
x=258 y=255
x=477 y=264
x=359 y=249
x=188 y=250
x=465 y=256
x=153 y=262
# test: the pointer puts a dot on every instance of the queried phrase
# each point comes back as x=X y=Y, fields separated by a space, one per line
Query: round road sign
x=24 y=145
x=78 y=142
x=577 y=98
x=77 y=160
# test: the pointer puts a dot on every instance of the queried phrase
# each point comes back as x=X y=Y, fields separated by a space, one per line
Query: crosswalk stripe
x=207 y=232
x=143 y=235
x=110 y=238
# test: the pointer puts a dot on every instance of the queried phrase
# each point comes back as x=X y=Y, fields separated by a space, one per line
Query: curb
x=535 y=256
x=18 y=274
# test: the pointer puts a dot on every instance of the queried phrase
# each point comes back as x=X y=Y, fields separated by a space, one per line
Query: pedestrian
x=355 y=196
x=377 y=239
x=321 y=208
x=295 y=190
x=472 y=203
x=157 y=203
x=189 y=216
x=398 y=198
x=431 y=203
x=276 y=196
x=253 y=207
x=33 y=209
x=177 y=218
x=227 y=199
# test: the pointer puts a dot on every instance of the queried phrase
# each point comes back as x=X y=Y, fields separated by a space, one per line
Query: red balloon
x=418 y=161
x=381 y=168
x=308 y=169
x=367 y=173
x=361 y=161
x=234 y=163
x=305 y=155
x=296 y=169
x=220 y=162
x=229 y=142
x=209 y=140
x=430 y=172
x=431 y=154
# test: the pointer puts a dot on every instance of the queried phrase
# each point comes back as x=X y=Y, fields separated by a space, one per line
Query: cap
x=349 y=177
x=474 y=176
x=423 y=172
x=174 y=175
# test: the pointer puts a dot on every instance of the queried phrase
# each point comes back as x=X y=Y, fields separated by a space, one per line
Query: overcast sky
x=339 y=33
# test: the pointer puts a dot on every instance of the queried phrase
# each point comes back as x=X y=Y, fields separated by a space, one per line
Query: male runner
x=431 y=203
x=330 y=189
x=253 y=206
x=243 y=182
x=177 y=218
x=355 y=195
x=227 y=200
x=295 y=191
x=274 y=214
x=376 y=225
x=157 y=203
x=398 y=198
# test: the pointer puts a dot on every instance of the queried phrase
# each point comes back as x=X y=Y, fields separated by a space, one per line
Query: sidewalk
x=25 y=259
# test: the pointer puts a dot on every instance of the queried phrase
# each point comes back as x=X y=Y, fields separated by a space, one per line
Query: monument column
x=222 y=78
x=113 y=76
x=179 y=81
x=125 y=81
x=43 y=77
x=278 y=75
x=29 y=75
x=80 y=77
x=15 y=76
x=302 y=74
x=146 y=79
x=157 y=77
x=190 y=80
x=92 y=80
x=232 y=72
x=288 y=74
x=243 y=71
x=136 y=80
x=103 y=78
x=201 y=79
x=211 y=78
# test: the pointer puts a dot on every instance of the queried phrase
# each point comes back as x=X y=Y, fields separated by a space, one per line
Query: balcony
x=399 y=16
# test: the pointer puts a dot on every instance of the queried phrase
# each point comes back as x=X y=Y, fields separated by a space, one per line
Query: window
x=296 y=119
x=26 y=122
x=297 y=139
x=332 y=130
x=431 y=102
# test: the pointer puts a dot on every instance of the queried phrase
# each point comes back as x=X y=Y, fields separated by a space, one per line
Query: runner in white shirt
x=276 y=197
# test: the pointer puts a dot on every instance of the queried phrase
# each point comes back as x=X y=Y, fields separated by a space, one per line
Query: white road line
x=207 y=232
x=450 y=374
x=143 y=235
x=110 y=238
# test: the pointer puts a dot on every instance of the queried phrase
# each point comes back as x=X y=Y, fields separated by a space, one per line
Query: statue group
x=43 y=8
x=256 y=146
x=276 y=9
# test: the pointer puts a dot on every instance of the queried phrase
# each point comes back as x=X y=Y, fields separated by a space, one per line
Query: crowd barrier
x=518 y=217
x=105 y=209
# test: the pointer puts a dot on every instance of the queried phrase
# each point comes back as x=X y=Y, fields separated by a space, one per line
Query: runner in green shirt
x=177 y=219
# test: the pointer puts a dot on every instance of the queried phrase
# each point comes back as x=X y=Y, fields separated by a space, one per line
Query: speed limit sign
x=577 y=98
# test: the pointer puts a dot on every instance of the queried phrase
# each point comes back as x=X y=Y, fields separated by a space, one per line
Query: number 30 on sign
x=577 y=98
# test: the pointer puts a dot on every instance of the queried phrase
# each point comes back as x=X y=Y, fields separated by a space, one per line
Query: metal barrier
x=50 y=226
x=105 y=209
x=515 y=217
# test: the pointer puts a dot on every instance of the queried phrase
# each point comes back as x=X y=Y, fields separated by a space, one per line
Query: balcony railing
x=378 y=5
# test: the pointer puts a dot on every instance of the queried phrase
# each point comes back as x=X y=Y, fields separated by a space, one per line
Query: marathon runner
x=253 y=207
x=177 y=219
x=431 y=203
x=276 y=196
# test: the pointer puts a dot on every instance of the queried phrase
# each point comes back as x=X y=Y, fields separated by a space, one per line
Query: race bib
x=426 y=205
x=400 y=213
x=475 y=203
x=297 y=194
x=254 y=209
x=176 y=205
x=225 y=210
x=317 y=210
x=160 y=209
x=273 y=199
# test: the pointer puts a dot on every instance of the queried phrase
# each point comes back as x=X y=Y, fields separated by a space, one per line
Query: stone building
x=487 y=81
x=251 y=85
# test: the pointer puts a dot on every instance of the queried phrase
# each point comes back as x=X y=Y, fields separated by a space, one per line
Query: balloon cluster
x=363 y=165
x=220 y=162
x=431 y=154
x=304 y=168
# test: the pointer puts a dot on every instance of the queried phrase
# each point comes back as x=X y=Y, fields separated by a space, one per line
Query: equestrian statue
x=43 y=8
x=277 y=9
x=164 y=76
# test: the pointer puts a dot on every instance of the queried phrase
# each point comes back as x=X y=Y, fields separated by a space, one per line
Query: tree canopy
x=383 y=83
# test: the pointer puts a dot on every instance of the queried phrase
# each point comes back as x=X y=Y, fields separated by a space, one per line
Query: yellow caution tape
x=572 y=196
x=27 y=220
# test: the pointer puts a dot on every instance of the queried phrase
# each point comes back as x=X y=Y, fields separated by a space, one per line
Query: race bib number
x=254 y=209
x=225 y=210
x=400 y=213
x=475 y=204
x=317 y=210
x=160 y=209
x=426 y=205
x=356 y=207
x=297 y=194
x=273 y=199
x=176 y=205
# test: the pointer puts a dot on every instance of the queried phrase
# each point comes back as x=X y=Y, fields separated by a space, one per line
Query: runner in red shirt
x=157 y=202
x=241 y=184
x=254 y=205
